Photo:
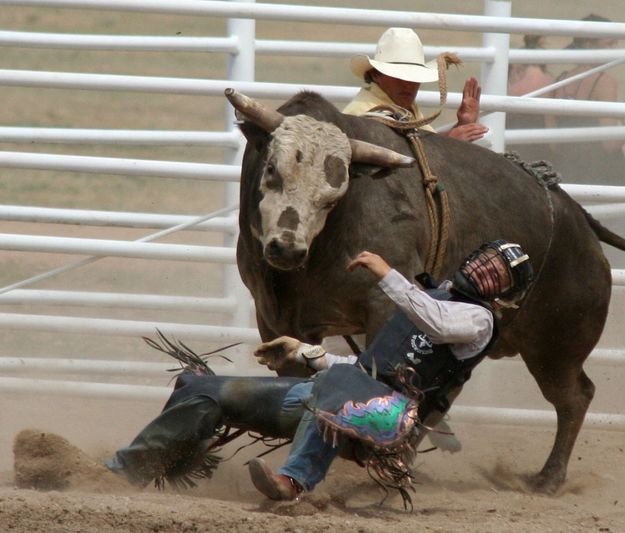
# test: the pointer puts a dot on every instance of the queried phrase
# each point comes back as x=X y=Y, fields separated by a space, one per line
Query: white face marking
x=306 y=173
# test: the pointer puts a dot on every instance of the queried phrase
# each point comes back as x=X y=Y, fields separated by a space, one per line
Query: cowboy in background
x=599 y=162
x=525 y=78
x=394 y=76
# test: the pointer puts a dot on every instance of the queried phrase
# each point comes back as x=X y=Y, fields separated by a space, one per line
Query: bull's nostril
x=273 y=248
x=284 y=255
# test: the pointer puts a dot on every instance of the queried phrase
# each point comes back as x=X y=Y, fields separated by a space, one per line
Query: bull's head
x=305 y=174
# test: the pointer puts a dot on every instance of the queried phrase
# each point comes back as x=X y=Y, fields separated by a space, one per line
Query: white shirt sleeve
x=467 y=328
x=332 y=359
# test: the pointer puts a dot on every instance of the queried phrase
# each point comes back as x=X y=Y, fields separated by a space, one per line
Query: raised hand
x=469 y=110
x=372 y=262
x=468 y=132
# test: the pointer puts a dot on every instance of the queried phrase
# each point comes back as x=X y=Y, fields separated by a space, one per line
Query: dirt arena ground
x=481 y=489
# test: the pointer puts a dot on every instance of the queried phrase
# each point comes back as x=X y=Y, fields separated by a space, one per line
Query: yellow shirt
x=371 y=96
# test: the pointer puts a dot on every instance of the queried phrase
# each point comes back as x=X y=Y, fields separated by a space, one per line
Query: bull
x=317 y=187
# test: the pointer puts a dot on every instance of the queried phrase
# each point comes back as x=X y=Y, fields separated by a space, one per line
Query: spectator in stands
x=523 y=79
x=585 y=162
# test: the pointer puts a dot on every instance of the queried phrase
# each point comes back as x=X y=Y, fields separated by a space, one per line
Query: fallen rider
x=431 y=344
x=419 y=360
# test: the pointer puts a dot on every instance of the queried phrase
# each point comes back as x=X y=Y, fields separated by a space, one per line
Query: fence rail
x=127 y=328
x=89 y=217
x=348 y=16
x=112 y=248
x=129 y=43
x=125 y=300
x=119 y=166
x=191 y=86
x=220 y=139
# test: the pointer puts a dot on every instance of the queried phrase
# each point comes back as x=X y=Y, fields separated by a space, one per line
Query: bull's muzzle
x=284 y=255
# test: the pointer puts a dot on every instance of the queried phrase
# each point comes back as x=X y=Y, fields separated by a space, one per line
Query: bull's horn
x=372 y=154
x=265 y=118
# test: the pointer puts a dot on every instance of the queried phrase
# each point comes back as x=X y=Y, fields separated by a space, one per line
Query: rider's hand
x=467 y=128
x=468 y=132
x=469 y=110
x=287 y=351
x=277 y=353
x=373 y=262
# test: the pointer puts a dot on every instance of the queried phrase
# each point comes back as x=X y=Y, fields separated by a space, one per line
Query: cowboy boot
x=274 y=486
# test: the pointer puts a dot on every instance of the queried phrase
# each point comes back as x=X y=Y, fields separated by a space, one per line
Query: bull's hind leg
x=567 y=387
x=556 y=330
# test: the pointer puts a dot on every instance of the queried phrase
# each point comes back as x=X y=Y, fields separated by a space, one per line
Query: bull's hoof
x=545 y=484
x=45 y=461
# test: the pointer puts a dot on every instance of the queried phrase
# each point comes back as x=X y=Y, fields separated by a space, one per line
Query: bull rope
x=439 y=222
x=439 y=215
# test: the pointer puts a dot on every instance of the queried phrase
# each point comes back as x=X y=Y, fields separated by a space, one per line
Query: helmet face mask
x=496 y=270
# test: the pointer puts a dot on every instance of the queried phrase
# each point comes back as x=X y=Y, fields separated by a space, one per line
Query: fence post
x=494 y=76
x=494 y=80
x=240 y=68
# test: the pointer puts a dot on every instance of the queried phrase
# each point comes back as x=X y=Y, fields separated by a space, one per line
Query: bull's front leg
x=267 y=333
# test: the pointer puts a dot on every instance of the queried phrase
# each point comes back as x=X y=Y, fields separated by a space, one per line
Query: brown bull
x=311 y=199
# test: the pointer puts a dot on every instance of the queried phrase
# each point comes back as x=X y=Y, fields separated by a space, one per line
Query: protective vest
x=436 y=369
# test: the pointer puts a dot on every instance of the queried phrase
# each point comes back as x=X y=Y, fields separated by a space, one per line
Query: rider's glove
x=287 y=351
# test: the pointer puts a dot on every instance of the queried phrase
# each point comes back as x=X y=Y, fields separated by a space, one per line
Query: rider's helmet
x=497 y=270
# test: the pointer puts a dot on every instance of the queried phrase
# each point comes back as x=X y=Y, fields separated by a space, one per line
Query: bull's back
x=492 y=198
x=566 y=308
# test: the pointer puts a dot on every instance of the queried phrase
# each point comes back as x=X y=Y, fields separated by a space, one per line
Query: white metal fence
x=241 y=47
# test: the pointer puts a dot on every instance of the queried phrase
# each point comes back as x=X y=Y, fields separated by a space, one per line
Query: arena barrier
x=241 y=47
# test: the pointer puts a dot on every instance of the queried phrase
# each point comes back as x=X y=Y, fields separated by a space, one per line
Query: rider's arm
x=330 y=359
x=315 y=358
x=466 y=327
x=285 y=351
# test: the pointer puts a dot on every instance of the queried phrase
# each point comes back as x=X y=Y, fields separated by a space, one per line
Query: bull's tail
x=603 y=233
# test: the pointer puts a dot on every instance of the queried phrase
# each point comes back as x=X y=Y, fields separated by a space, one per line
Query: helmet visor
x=488 y=273
x=498 y=269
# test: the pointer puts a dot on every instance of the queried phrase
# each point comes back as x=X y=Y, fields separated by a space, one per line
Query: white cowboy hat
x=399 y=54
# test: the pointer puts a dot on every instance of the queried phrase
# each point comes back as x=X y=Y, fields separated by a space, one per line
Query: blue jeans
x=309 y=457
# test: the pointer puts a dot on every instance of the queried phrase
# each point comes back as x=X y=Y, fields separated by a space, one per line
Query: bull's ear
x=256 y=137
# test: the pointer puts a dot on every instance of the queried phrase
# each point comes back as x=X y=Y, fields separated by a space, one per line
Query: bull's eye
x=272 y=178
x=330 y=205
